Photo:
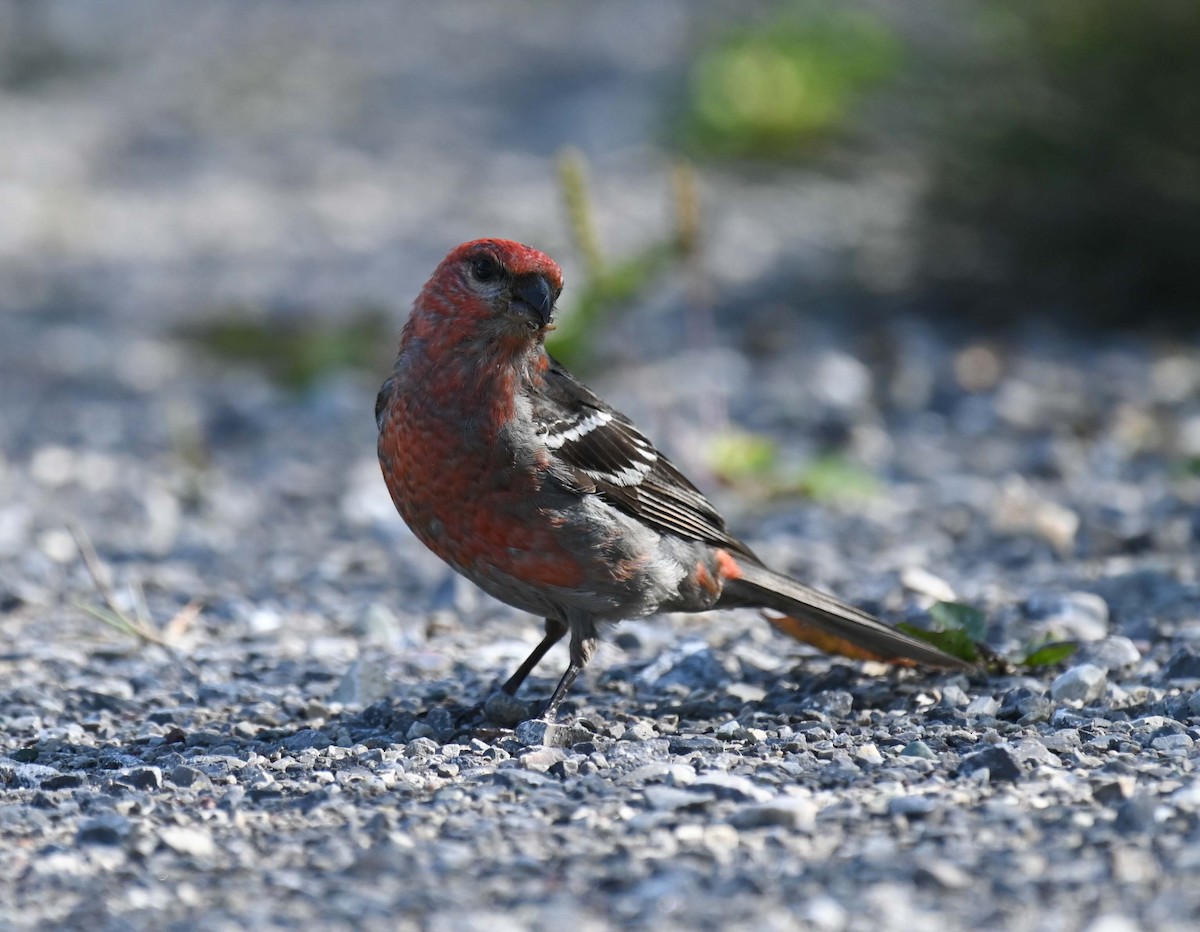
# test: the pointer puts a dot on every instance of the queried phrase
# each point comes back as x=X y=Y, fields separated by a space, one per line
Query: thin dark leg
x=554 y=632
x=550 y=713
x=583 y=645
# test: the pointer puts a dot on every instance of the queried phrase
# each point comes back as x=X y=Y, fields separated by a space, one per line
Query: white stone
x=1083 y=683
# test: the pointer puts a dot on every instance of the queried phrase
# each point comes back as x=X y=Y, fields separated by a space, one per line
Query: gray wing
x=608 y=456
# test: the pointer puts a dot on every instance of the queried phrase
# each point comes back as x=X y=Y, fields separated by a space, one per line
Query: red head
x=495 y=290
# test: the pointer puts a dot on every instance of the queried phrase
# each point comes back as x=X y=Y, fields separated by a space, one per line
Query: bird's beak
x=535 y=292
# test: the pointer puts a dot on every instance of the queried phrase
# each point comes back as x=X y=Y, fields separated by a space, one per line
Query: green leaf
x=1187 y=467
x=1050 y=654
x=956 y=643
x=737 y=455
x=958 y=616
x=832 y=478
x=773 y=90
x=613 y=287
x=297 y=351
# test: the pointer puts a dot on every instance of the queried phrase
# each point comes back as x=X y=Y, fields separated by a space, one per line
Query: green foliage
x=955 y=642
x=959 y=631
x=1050 y=655
x=612 y=285
x=610 y=289
x=1068 y=159
x=832 y=477
x=774 y=89
x=753 y=461
x=736 y=456
x=1186 y=467
x=958 y=616
x=297 y=352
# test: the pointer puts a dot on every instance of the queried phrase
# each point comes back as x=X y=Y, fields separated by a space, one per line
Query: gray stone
x=730 y=786
x=143 y=778
x=943 y=873
x=999 y=762
x=1138 y=815
x=419 y=731
x=541 y=759
x=1084 y=683
x=507 y=710
x=983 y=706
x=670 y=798
x=1183 y=665
x=1034 y=750
x=63 y=781
x=22 y=774
x=184 y=776
x=691 y=664
x=911 y=806
x=1187 y=797
x=1026 y=706
x=1174 y=744
x=953 y=697
x=537 y=732
x=1111 y=792
x=308 y=738
x=106 y=829
x=836 y=703
x=918 y=749
x=193 y=842
x=639 y=731
x=421 y=747
x=1082 y=616
x=790 y=812
x=1112 y=653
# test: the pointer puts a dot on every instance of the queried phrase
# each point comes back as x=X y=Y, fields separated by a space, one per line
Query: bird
x=527 y=483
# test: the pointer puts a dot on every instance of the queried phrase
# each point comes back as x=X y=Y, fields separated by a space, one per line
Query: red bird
x=523 y=480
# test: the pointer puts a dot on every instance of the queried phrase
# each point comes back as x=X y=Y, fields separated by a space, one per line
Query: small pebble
x=107 y=829
x=1080 y=616
x=1084 y=683
x=507 y=710
x=143 y=778
x=672 y=798
x=999 y=763
x=536 y=732
x=918 y=749
x=194 y=842
x=789 y=812
x=1112 y=654
x=185 y=776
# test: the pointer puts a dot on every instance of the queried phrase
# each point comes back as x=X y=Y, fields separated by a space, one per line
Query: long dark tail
x=828 y=623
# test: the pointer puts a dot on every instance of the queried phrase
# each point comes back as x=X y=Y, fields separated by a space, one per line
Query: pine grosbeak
x=525 y=482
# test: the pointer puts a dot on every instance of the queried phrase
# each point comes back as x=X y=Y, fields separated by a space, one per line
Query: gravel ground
x=308 y=749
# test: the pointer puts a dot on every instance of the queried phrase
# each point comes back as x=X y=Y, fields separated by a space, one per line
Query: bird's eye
x=485 y=269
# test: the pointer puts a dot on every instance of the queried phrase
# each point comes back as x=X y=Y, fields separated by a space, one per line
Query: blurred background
x=891 y=243
x=1017 y=161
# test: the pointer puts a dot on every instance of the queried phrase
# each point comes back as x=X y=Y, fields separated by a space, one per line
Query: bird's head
x=496 y=289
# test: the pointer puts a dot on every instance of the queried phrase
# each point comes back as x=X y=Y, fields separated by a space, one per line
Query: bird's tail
x=828 y=623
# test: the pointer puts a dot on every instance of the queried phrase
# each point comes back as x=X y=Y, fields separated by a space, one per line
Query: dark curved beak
x=535 y=291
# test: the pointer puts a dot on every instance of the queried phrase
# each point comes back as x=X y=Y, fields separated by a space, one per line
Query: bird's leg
x=554 y=632
x=550 y=713
x=582 y=647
